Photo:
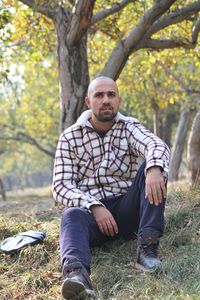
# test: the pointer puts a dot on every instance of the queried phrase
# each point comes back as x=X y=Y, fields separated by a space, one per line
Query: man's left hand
x=155 y=186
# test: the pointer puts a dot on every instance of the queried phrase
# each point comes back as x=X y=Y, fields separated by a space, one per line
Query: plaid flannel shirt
x=89 y=168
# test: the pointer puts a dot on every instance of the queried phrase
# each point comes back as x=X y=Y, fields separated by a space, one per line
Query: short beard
x=106 y=118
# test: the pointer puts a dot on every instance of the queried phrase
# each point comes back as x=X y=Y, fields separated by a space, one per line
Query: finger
x=155 y=195
x=107 y=228
x=164 y=190
x=113 y=224
x=159 y=194
x=110 y=228
x=101 y=227
x=113 y=229
x=148 y=194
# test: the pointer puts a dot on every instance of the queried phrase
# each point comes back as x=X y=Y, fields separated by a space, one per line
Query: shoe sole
x=72 y=289
x=143 y=269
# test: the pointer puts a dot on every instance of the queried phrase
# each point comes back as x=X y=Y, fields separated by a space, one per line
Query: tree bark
x=167 y=127
x=2 y=190
x=178 y=148
x=194 y=150
x=73 y=72
x=156 y=122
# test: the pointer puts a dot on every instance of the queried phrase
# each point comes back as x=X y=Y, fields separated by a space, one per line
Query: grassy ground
x=34 y=273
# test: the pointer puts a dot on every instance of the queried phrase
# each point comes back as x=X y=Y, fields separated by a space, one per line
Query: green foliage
x=145 y=84
x=31 y=114
x=29 y=85
x=5 y=31
x=28 y=92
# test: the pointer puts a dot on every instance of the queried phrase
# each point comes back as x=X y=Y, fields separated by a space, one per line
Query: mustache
x=106 y=106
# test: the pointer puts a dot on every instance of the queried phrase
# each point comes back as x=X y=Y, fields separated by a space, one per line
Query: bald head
x=103 y=99
x=97 y=80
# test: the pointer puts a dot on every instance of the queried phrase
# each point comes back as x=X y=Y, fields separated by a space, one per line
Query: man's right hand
x=104 y=219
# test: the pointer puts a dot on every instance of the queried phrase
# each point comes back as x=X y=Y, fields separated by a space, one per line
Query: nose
x=105 y=98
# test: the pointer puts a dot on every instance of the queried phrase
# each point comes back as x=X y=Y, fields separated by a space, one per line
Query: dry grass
x=34 y=273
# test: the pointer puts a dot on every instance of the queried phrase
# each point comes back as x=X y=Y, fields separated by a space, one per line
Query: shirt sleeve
x=65 y=178
x=146 y=144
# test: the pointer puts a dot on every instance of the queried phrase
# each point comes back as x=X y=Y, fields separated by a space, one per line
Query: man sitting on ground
x=96 y=176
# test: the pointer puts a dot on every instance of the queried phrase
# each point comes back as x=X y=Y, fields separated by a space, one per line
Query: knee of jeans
x=73 y=213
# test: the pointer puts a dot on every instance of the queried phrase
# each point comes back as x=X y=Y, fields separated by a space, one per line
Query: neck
x=101 y=126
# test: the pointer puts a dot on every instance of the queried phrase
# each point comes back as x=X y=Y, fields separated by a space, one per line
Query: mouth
x=105 y=109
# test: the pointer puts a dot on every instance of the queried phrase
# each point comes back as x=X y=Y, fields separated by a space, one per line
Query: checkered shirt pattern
x=89 y=168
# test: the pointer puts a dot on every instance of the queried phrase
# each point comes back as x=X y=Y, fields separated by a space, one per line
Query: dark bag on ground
x=15 y=243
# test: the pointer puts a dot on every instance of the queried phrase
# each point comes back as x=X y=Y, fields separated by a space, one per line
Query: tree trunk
x=167 y=127
x=194 y=149
x=178 y=148
x=2 y=190
x=156 y=122
x=73 y=72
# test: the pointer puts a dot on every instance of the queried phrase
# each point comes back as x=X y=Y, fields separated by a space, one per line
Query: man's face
x=103 y=100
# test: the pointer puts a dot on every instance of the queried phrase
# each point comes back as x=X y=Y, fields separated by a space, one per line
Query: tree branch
x=174 y=18
x=45 y=10
x=81 y=19
x=123 y=49
x=109 y=11
x=20 y=137
x=179 y=80
x=166 y=44
x=195 y=31
x=25 y=138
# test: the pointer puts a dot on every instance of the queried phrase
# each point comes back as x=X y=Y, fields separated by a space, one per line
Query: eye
x=98 y=95
x=111 y=94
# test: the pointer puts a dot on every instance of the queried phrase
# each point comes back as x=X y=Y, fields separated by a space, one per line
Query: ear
x=87 y=102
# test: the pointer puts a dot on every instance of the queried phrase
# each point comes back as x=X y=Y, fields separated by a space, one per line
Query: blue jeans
x=132 y=213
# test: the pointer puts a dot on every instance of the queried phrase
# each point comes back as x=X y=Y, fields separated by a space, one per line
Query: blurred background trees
x=150 y=47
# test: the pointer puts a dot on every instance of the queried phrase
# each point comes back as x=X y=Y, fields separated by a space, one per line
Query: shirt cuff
x=157 y=163
x=89 y=204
